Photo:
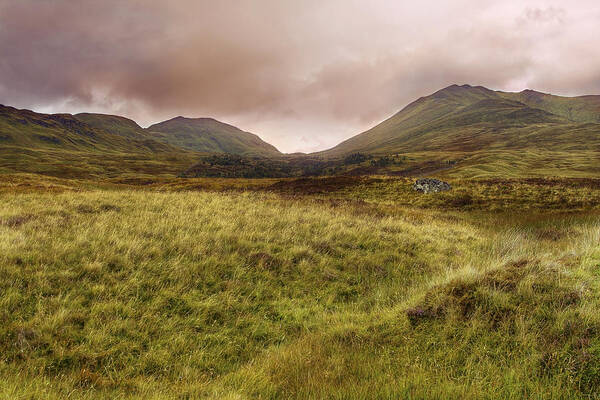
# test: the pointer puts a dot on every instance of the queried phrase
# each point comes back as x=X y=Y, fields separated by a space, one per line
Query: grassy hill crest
x=210 y=135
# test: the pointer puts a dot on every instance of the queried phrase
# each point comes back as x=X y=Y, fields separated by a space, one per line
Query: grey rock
x=431 y=186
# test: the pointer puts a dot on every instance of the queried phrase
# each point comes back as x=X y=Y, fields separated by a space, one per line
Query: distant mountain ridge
x=101 y=145
x=28 y=129
x=205 y=135
x=576 y=109
x=471 y=118
x=210 y=135
x=466 y=131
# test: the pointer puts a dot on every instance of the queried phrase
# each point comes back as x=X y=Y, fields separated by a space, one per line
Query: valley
x=193 y=260
x=459 y=131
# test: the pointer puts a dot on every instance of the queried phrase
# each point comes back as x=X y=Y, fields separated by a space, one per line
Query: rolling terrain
x=348 y=288
x=483 y=132
x=459 y=131
x=64 y=145
x=103 y=146
x=114 y=124
x=133 y=268
x=27 y=129
x=203 y=135
x=467 y=119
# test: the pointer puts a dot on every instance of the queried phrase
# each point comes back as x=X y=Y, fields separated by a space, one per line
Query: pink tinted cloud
x=303 y=75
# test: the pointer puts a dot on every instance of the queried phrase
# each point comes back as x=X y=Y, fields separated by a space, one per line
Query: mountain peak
x=530 y=92
x=463 y=118
x=463 y=93
x=457 y=87
x=462 y=88
x=210 y=135
x=181 y=118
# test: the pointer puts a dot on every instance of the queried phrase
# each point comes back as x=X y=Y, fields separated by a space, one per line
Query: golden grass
x=142 y=294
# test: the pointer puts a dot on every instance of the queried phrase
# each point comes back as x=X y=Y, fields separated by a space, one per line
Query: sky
x=302 y=74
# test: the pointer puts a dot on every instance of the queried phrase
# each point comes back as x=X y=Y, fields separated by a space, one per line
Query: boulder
x=431 y=186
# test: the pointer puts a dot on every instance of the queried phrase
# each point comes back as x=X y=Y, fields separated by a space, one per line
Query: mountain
x=100 y=145
x=114 y=124
x=204 y=135
x=25 y=128
x=65 y=145
x=576 y=109
x=463 y=131
x=470 y=119
x=210 y=135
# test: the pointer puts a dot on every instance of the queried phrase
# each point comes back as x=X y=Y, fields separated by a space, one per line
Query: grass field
x=315 y=288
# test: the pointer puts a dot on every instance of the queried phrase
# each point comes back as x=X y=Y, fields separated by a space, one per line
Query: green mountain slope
x=24 y=128
x=461 y=131
x=468 y=119
x=204 y=135
x=114 y=124
x=64 y=145
x=576 y=109
x=99 y=145
x=209 y=135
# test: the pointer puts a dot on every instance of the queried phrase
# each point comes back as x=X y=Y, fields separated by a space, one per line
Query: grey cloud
x=304 y=75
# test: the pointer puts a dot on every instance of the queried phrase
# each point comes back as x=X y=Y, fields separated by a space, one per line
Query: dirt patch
x=109 y=207
x=16 y=221
x=265 y=261
x=89 y=209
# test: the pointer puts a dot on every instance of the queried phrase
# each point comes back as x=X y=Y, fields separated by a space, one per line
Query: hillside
x=25 y=128
x=576 y=109
x=469 y=119
x=100 y=145
x=459 y=131
x=65 y=145
x=204 y=135
x=114 y=124
x=211 y=136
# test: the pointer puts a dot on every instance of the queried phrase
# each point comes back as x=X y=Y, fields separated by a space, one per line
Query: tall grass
x=129 y=294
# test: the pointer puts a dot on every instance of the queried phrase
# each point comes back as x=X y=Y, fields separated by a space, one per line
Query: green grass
x=95 y=165
x=367 y=291
x=527 y=163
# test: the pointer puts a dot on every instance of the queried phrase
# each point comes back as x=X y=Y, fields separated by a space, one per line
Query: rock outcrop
x=431 y=186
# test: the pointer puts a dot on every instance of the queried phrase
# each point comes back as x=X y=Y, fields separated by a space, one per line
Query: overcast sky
x=302 y=74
